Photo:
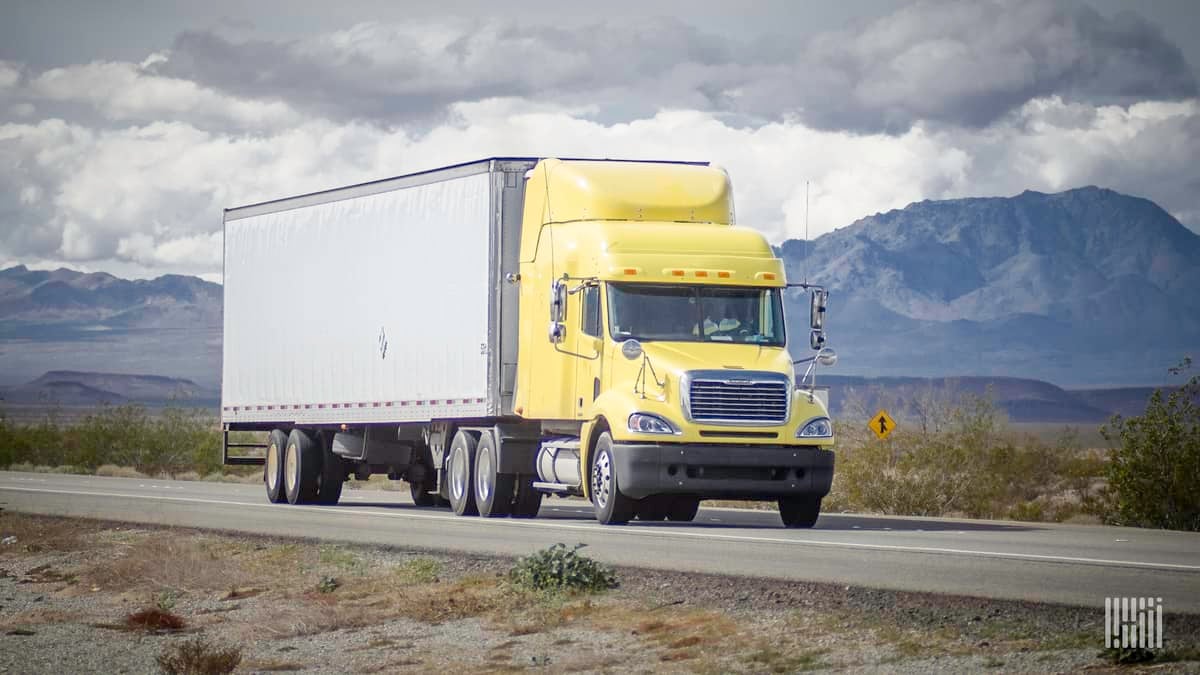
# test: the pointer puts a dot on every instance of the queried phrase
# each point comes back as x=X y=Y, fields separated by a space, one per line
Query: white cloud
x=150 y=196
x=128 y=92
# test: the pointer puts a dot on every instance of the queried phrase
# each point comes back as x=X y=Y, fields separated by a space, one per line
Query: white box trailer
x=379 y=302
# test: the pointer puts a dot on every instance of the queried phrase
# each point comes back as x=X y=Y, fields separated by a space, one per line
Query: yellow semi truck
x=501 y=330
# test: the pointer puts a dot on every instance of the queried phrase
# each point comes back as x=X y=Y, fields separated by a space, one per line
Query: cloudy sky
x=125 y=127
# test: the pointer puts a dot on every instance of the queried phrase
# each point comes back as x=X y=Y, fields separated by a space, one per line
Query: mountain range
x=1083 y=288
x=67 y=320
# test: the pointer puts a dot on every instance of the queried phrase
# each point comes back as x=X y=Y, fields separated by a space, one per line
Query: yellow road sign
x=882 y=424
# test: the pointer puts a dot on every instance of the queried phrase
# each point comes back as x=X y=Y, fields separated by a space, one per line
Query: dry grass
x=199 y=657
x=41 y=533
x=114 y=471
x=159 y=560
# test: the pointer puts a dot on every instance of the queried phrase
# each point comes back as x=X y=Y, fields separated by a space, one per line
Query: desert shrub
x=1154 y=465
x=199 y=657
x=559 y=568
x=154 y=619
x=956 y=456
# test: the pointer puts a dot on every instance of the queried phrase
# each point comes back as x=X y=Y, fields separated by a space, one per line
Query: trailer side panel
x=362 y=306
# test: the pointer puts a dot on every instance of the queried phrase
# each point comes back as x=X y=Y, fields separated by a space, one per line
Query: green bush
x=559 y=568
x=1154 y=467
x=171 y=440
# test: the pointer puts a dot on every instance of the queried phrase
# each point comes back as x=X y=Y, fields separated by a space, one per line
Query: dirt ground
x=89 y=596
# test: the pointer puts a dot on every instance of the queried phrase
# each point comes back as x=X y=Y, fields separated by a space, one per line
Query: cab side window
x=591 y=311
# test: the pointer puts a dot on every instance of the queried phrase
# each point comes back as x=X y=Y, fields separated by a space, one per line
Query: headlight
x=819 y=427
x=645 y=423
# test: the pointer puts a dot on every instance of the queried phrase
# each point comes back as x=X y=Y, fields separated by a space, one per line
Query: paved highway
x=1069 y=564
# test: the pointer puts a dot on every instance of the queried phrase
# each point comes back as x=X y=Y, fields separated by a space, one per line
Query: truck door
x=589 y=346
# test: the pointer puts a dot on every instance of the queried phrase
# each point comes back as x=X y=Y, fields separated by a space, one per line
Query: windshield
x=695 y=314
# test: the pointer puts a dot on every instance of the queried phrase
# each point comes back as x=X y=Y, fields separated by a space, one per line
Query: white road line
x=647 y=532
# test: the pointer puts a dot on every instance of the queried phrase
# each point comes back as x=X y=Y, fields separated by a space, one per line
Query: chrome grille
x=737 y=398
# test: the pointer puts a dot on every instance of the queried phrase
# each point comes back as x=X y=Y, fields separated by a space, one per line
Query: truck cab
x=653 y=347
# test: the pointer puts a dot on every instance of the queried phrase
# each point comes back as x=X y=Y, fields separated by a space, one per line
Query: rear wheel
x=683 y=509
x=333 y=473
x=461 y=472
x=799 y=512
x=612 y=507
x=273 y=466
x=302 y=466
x=493 y=490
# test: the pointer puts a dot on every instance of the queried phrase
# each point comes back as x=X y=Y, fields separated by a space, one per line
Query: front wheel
x=612 y=507
x=799 y=512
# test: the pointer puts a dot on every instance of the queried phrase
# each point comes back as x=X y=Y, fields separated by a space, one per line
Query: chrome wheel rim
x=602 y=479
x=458 y=473
x=273 y=467
x=483 y=474
x=291 y=467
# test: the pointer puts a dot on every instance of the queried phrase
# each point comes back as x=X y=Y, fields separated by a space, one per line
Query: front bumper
x=722 y=471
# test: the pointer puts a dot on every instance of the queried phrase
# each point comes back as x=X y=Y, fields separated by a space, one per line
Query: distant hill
x=73 y=388
x=1084 y=287
x=1022 y=400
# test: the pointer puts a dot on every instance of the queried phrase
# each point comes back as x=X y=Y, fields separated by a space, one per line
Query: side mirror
x=816 y=308
x=816 y=339
x=558 y=311
x=827 y=357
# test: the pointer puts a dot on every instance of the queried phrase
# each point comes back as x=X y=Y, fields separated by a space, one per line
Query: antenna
x=806 y=232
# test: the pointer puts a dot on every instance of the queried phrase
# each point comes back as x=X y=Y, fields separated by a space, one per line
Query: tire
x=302 y=467
x=653 y=508
x=333 y=473
x=460 y=472
x=528 y=500
x=799 y=512
x=493 y=490
x=612 y=507
x=421 y=495
x=420 y=487
x=683 y=509
x=273 y=466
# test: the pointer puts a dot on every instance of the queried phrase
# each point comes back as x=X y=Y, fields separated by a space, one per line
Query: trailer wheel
x=302 y=466
x=493 y=490
x=799 y=512
x=273 y=467
x=653 y=508
x=461 y=471
x=683 y=509
x=612 y=507
x=333 y=472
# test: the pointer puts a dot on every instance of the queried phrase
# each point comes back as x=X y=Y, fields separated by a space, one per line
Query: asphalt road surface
x=1070 y=564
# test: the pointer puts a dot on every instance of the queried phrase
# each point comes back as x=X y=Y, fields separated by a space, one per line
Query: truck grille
x=741 y=398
